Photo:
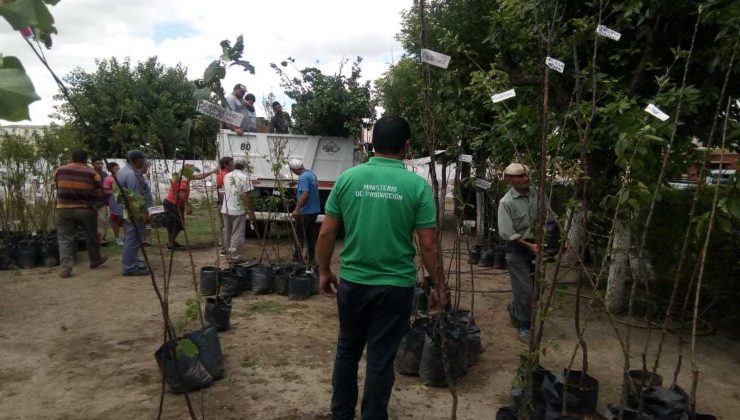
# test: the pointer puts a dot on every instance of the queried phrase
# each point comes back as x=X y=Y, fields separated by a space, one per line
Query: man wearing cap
x=306 y=210
x=381 y=205
x=132 y=181
x=517 y=215
x=237 y=103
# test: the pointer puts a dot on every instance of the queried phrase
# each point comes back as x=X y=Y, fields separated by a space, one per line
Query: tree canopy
x=129 y=106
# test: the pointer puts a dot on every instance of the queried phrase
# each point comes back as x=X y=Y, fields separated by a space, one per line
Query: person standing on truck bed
x=237 y=103
x=280 y=123
x=306 y=210
x=381 y=205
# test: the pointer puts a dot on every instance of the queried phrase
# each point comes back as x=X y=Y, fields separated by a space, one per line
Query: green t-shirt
x=381 y=204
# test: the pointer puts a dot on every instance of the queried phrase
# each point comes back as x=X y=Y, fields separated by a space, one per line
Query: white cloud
x=309 y=31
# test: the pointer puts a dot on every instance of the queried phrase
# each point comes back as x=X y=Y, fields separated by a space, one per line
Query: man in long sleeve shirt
x=130 y=179
x=517 y=215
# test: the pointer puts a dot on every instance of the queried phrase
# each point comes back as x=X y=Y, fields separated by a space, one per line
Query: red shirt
x=175 y=187
x=220 y=178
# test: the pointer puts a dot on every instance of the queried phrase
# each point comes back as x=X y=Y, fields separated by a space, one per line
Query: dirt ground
x=83 y=348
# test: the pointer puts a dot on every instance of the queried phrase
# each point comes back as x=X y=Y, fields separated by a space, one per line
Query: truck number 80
x=246 y=146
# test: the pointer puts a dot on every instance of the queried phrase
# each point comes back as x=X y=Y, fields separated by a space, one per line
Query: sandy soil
x=82 y=348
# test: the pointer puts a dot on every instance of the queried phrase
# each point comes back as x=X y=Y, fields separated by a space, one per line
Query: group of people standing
x=242 y=102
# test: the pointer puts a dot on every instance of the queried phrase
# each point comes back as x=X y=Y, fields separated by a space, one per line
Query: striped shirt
x=78 y=186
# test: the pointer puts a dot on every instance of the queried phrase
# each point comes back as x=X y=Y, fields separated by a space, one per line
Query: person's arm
x=248 y=207
x=324 y=251
x=302 y=199
x=432 y=261
x=99 y=187
x=203 y=175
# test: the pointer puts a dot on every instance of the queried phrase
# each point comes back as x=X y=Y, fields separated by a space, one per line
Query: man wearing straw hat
x=517 y=215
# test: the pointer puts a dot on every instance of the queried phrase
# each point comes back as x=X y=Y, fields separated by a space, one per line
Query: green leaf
x=733 y=206
x=245 y=64
x=213 y=71
x=187 y=348
x=202 y=94
x=723 y=224
x=24 y=13
x=16 y=90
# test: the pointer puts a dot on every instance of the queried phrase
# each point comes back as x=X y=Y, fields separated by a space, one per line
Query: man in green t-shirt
x=380 y=204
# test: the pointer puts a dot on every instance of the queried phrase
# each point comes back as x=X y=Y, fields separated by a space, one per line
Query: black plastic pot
x=665 y=403
x=28 y=253
x=244 y=271
x=7 y=255
x=181 y=372
x=552 y=236
x=431 y=366
x=411 y=348
x=582 y=394
x=420 y=299
x=50 y=250
x=475 y=254
x=637 y=380
x=486 y=258
x=282 y=279
x=209 y=350
x=230 y=284
x=499 y=257
x=473 y=344
x=300 y=287
x=263 y=279
x=218 y=313
x=208 y=281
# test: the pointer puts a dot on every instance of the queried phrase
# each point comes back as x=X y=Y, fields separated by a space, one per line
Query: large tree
x=127 y=106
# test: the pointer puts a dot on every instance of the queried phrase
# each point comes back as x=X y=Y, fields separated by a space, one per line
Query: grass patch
x=289 y=376
x=14 y=375
x=266 y=306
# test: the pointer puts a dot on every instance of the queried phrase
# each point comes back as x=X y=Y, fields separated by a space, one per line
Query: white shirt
x=236 y=184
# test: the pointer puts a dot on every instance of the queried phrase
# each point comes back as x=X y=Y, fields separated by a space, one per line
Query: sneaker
x=523 y=335
x=99 y=262
x=119 y=242
x=65 y=273
x=139 y=272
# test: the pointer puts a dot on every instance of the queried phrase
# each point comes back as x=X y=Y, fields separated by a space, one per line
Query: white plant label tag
x=209 y=184
x=220 y=113
x=423 y=161
x=155 y=210
x=482 y=183
x=466 y=158
x=434 y=58
x=275 y=192
x=608 y=33
x=469 y=223
x=656 y=112
x=503 y=96
x=554 y=64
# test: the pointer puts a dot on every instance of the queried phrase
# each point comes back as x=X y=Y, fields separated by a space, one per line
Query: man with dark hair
x=234 y=209
x=102 y=206
x=381 y=205
x=250 y=114
x=132 y=182
x=237 y=103
x=307 y=208
x=79 y=190
x=280 y=122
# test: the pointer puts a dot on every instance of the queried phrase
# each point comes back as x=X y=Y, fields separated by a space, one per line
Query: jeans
x=130 y=258
x=519 y=263
x=306 y=229
x=67 y=221
x=376 y=316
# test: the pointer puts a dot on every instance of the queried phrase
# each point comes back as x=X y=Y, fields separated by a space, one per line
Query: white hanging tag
x=466 y=158
x=482 y=183
x=608 y=33
x=423 y=161
x=554 y=64
x=469 y=223
x=155 y=210
x=275 y=192
x=503 y=96
x=434 y=58
x=656 y=112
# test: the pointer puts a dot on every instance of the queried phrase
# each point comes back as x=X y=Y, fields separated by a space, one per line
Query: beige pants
x=103 y=219
x=233 y=236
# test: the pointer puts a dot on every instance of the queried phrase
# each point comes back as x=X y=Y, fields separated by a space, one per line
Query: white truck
x=326 y=157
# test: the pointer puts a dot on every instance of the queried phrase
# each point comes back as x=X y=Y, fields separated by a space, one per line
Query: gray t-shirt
x=517 y=214
x=249 y=122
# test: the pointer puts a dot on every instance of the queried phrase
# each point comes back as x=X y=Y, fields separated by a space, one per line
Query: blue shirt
x=307 y=182
x=131 y=179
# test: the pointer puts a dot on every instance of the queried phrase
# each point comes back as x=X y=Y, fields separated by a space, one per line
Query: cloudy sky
x=314 y=32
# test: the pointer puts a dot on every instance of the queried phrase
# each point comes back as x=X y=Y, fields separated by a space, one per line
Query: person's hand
x=535 y=248
x=437 y=302
x=239 y=131
x=147 y=217
x=295 y=214
x=328 y=284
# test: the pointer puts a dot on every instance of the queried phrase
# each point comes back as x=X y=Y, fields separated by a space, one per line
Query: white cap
x=295 y=164
x=516 y=169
